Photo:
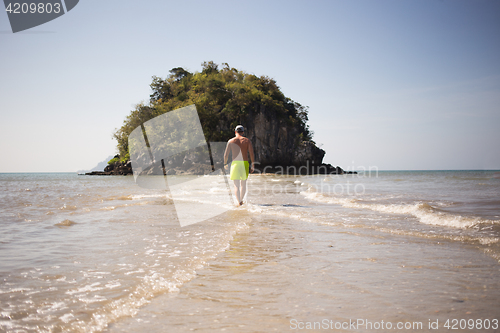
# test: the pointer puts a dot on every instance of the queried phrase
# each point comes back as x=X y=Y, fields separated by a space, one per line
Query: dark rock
x=116 y=168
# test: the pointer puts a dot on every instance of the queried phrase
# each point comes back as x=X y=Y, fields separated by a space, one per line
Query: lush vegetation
x=223 y=97
x=113 y=160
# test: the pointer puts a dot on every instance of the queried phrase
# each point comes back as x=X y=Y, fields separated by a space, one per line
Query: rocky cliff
x=276 y=143
x=277 y=147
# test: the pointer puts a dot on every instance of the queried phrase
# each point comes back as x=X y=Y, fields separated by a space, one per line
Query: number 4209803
x=40 y=8
x=462 y=324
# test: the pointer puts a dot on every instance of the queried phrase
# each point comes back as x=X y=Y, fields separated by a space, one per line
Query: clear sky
x=396 y=85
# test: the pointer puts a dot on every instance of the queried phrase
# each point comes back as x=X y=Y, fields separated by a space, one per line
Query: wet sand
x=282 y=274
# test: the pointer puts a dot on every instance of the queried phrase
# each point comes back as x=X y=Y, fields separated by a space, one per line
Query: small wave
x=217 y=190
x=431 y=215
x=140 y=270
x=489 y=240
x=67 y=317
x=144 y=196
x=459 y=238
x=424 y=212
x=121 y=197
x=95 y=299
x=85 y=289
x=68 y=207
x=14 y=290
x=65 y=223
x=113 y=284
x=307 y=217
x=124 y=197
x=181 y=192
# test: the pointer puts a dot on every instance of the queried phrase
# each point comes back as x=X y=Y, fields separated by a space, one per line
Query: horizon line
x=360 y=170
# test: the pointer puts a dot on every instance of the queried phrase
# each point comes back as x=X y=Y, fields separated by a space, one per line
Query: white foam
x=217 y=190
x=144 y=196
x=67 y=317
x=14 y=290
x=140 y=270
x=113 y=284
x=424 y=212
x=7 y=324
x=489 y=240
x=87 y=288
x=95 y=299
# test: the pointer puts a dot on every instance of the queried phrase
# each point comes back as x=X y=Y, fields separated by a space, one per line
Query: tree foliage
x=223 y=97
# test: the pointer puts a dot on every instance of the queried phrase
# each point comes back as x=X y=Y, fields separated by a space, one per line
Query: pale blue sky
x=392 y=84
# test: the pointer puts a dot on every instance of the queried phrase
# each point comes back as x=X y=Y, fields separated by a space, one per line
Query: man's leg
x=243 y=190
x=237 y=190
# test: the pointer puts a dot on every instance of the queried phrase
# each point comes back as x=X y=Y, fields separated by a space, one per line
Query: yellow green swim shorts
x=239 y=170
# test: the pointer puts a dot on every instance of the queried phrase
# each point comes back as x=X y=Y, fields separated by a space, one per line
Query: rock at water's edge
x=114 y=169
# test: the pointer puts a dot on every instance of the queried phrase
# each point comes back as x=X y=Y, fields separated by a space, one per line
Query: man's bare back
x=240 y=147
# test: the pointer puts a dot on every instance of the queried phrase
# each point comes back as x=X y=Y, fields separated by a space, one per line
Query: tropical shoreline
x=283 y=273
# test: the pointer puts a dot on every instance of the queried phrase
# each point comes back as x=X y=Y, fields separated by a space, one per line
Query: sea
x=102 y=254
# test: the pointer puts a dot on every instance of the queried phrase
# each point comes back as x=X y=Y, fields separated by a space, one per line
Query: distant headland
x=224 y=98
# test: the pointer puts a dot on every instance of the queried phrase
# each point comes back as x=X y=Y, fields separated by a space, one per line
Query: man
x=240 y=147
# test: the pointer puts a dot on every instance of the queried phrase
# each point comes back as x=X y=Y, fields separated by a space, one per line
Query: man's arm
x=226 y=153
x=252 y=157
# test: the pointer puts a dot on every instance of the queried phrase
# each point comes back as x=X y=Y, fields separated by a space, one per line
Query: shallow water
x=283 y=271
x=85 y=253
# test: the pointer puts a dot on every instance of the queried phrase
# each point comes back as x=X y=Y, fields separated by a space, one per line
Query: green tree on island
x=223 y=98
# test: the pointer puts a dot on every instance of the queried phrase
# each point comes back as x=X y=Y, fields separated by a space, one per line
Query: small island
x=225 y=97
